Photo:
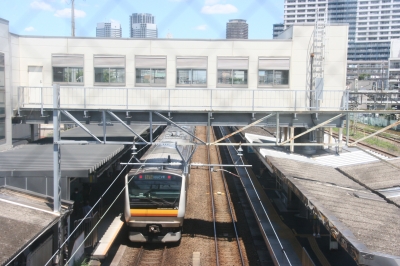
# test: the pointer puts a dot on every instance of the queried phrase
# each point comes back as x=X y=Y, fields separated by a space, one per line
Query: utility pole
x=72 y=18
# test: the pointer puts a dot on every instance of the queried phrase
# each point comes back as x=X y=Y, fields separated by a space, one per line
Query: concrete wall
x=5 y=49
x=37 y=51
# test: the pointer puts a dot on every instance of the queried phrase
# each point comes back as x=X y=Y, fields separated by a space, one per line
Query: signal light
x=169 y=177
x=140 y=176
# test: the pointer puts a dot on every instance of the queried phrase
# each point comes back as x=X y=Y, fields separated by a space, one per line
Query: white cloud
x=219 y=9
x=66 y=13
x=201 y=27
x=211 y=2
x=29 y=28
x=41 y=6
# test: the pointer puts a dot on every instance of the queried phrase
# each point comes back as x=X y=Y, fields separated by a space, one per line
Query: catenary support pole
x=57 y=167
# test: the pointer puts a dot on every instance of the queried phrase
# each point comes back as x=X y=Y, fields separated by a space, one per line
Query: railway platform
x=354 y=194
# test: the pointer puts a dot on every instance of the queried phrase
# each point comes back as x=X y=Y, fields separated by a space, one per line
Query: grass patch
x=375 y=141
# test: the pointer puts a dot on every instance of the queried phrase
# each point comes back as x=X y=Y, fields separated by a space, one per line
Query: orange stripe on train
x=154 y=213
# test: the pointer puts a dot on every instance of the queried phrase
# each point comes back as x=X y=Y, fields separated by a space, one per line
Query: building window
x=232 y=71
x=109 y=69
x=151 y=70
x=2 y=100
x=273 y=71
x=191 y=71
x=67 y=75
x=109 y=75
x=67 y=69
x=149 y=76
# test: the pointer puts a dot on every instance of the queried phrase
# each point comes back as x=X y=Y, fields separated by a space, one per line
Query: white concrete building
x=109 y=29
x=372 y=24
x=232 y=67
x=394 y=65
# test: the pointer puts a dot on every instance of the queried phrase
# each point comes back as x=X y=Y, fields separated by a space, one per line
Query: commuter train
x=155 y=194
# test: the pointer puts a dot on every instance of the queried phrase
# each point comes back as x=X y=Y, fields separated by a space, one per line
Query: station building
x=260 y=65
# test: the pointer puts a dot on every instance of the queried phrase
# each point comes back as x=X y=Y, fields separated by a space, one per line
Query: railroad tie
x=196 y=259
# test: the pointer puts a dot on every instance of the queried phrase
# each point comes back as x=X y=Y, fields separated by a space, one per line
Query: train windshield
x=155 y=191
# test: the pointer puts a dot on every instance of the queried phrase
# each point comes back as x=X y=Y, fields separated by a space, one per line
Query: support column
x=347 y=129
x=57 y=170
x=285 y=133
x=340 y=139
x=330 y=138
x=320 y=138
x=277 y=129
x=32 y=128
x=151 y=126
x=292 y=141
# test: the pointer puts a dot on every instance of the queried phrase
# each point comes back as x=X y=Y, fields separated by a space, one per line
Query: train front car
x=155 y=194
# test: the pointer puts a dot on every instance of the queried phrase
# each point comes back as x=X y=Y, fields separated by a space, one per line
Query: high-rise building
x=109 y=29
x=237 y=29
x=372 y=24
x=277 y=29
x=143 y=26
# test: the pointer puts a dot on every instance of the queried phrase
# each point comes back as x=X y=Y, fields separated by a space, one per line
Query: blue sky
x=202 y=19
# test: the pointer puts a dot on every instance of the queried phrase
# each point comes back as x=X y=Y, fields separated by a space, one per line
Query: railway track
x=393 y=139
x=385 y=153
x=151 y=256
x=227 y=243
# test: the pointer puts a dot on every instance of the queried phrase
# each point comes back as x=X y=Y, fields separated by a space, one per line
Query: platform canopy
x=37 y=160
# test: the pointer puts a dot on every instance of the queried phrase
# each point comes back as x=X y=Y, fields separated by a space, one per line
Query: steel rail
x=273 y=255
x=139 y=256
x=393 y=139
x=213 y=206
x=231 y=211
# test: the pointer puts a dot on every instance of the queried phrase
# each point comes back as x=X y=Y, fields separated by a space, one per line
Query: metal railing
x=86 y=227
x=179 y=99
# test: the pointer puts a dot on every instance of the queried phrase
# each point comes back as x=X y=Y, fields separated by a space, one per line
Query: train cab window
x=273 y=72
x=151 y=70
x=67 y=69
x=109 y=70
x=191 y=71
x=232 y=71
x=158 y=190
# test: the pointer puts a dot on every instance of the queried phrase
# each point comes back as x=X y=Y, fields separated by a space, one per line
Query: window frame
x=113 y=65
x=3 y=138
x=192 y=68
x=68 y=70
x=68 y=67
x=259 y=85
x=232 y=84
x=151 y=69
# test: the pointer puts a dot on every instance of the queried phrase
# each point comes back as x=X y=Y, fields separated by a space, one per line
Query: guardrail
x=182 y=99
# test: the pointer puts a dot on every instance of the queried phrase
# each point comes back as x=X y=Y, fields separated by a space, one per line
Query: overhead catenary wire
x=91 y=210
